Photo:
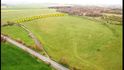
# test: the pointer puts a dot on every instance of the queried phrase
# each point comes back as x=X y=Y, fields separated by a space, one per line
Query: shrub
x=98 y=50
x=43 y=53
x=9 y=23
x=64 y=61
x=74 y=68
x=3 y=39
x=19 y=40
x=49 y=64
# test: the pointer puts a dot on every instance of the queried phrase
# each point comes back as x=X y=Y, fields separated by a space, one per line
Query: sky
x=79 y=2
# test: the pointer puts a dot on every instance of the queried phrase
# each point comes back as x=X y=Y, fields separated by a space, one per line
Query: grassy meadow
x=15 y=14
x=76 y=42
x=18 y=33
x=84 y=44
x=13 y=58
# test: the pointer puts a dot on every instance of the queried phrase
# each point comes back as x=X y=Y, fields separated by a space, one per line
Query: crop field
x=13 y=58
x=73 y=41
x=15 y=14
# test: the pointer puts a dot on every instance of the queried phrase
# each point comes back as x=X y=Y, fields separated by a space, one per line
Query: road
x=34 y=53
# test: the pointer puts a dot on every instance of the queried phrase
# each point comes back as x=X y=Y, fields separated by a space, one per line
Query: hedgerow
x=38 y=17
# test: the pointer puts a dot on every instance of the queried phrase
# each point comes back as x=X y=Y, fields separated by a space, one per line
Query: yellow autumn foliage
x=38 y=17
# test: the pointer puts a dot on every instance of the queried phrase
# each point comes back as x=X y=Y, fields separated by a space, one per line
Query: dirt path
x=34 y=53
x=37 y=42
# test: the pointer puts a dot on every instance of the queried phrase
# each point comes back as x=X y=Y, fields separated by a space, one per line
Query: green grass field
x=82 y=43
x=13 y=58
x=14 y=14
x=17 y=32
x=78 y=41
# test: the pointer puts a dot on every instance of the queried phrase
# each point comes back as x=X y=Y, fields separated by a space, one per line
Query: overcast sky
x=80 y=2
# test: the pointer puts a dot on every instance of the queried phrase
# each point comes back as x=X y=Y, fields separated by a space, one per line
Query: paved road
x=34 y=53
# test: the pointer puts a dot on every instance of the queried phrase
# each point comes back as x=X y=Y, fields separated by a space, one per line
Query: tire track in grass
x=85 y=62
x=74 y=44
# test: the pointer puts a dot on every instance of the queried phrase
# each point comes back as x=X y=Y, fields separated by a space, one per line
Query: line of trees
x=38 y=17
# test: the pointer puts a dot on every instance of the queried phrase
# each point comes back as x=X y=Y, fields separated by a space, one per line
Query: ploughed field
x=75 y=42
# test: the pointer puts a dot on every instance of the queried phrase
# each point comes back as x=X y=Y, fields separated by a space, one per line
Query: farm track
x=37 y=42
x=34 y=53
x=106 y=25
x=84 y=61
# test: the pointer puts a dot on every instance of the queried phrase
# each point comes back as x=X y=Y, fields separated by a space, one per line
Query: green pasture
x=18 y=33
x=82 y=43
x=15 y=14
x=13 y=58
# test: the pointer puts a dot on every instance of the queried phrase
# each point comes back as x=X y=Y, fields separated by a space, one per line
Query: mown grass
x=13 y=58
x=84 y=44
